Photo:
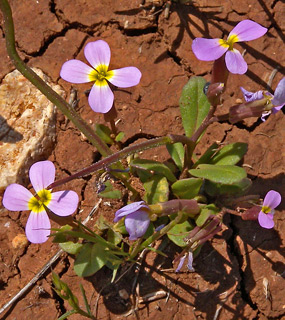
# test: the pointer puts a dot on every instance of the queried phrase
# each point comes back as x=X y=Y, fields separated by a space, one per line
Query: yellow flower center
x=269 y=104
x=100 y=75
x=229 y=43
x=40 y=201
x=266 y=209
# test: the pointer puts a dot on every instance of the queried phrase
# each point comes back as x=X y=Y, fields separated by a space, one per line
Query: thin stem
x=206 y=122
x=191 y=146
x=56 y=99
x=157 y=235
x=106 y=162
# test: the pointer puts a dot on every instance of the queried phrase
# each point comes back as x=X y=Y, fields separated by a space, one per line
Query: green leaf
x=120 y=136
x=230 y=154
x=237 y=188
x=194 y=105
x=71 y=247
x=67 y=314
x=179 y=232
x=206 y=157
x=104 y=133
x=157 y=190
x=153 y=167
x=113 y=237
x=90 y=259
x=218 y=173
x=102 y=223
x=187 y=188
x=109 y=192
x=177 y=152
x=208 y=210
x=85 y=300
x=60 y=236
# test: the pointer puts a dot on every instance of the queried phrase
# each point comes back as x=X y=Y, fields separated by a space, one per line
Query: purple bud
x=251 y=214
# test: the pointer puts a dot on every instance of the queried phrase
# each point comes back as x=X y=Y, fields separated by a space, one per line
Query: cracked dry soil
x=232 y=269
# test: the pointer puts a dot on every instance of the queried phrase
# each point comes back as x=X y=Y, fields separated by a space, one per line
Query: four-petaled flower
x=137 y=218
x=265 y=216
x=98 y=54
x=213 y=49
x=18 y=198
x=277 y=100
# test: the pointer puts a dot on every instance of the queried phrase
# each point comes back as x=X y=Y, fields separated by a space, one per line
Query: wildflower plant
x=185 y=199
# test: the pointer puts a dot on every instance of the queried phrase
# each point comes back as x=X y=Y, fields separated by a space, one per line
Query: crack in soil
x=239 y=258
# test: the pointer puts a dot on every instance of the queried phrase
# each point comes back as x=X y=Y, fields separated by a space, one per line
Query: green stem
x=190 y=148
x=157 y=235
x=56 y=99
x=106 y=162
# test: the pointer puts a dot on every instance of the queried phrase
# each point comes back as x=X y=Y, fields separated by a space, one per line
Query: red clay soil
x=232 y=270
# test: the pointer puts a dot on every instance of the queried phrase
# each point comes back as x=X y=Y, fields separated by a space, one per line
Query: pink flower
x=98 y=54
x=18 y=198
x=213 y=49
x=265 y=216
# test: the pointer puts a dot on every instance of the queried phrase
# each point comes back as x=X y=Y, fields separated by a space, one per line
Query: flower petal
x=247 y=30
x=279 y=94
x=42 y=174
x=265 y=115
x=276 y=109
x=265 y=220
x=190 y=262
x=180 y=264
x=137 y=224
x=38 y=227
x=16 y=197
x=75 y=71
x=130 y=208
x=63 y=203
x=97 y=52
x=125 y=77
x=101 y=98
x=208 y=49
x=272 y=199
x=235 y=62
x=251 y=96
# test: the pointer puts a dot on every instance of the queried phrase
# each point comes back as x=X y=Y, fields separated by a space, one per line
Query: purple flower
x=98 y=54
x=137 y=218
x=189 y=264
x=265 y=216
x=18 y=198
x=213 y=49
x=277 y=100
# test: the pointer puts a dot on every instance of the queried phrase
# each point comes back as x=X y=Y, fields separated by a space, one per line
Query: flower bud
x=219 y=76
x=251 y=214
x=190 y=207
x=247 y=110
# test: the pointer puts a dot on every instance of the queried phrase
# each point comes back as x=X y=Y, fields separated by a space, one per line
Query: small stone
x=20 y=241
x=27 y=126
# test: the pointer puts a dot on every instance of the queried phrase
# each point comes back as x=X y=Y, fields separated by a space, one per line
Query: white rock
x=27 y=126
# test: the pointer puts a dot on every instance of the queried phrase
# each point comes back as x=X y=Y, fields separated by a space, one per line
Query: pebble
x=27 y=126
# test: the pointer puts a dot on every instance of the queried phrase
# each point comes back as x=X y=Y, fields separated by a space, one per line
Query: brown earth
x=232 y=269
